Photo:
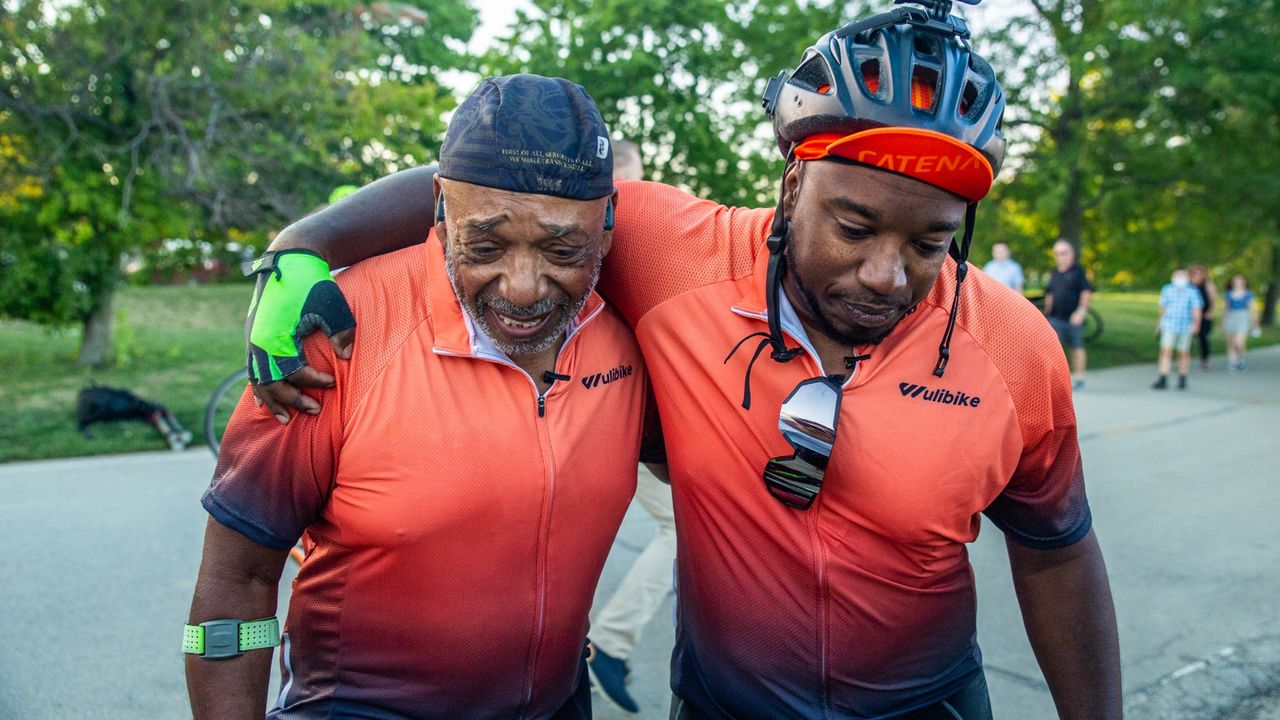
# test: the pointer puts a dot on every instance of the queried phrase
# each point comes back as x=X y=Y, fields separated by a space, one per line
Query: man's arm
x=386 y=215
x=1070 y=619
x=239 y=579
x=1077 y=317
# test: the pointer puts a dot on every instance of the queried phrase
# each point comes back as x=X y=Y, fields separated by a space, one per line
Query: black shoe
x=1182 y=382
x=609 y=676
x=1161 y=384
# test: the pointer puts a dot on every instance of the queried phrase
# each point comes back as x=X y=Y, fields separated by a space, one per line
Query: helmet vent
x=870 y=72
x=925 y=45
x=813 y=75
x=968 y=98
x=924 y=88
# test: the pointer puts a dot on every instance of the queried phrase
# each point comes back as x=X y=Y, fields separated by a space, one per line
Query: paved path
x=99 y=556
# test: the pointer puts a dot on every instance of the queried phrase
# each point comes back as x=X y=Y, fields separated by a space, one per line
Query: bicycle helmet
x=901 y=91
x=888 y=86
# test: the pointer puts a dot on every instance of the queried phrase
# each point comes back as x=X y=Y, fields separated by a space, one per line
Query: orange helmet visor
x=928 y=156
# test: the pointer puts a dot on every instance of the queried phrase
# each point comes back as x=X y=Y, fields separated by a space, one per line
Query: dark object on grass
x=99 y=403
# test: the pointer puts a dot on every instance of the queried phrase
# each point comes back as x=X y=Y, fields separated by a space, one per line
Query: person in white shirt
x=1004 y=268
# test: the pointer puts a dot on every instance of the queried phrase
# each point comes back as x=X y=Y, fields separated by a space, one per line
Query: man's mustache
x=510 y=309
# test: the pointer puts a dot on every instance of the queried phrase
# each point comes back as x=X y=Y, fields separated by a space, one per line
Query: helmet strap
x=961 y=256
x=777 y=244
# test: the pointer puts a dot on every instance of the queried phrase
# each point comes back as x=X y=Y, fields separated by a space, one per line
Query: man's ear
x=437 y=197
x=790 y=188
x=611 y=213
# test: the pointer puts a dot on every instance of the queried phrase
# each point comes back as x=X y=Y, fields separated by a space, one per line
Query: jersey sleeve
x=667 y=242
x=1044 y=504
x=272 y=480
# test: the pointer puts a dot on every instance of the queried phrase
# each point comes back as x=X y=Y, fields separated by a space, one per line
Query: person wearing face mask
x=1181 y=307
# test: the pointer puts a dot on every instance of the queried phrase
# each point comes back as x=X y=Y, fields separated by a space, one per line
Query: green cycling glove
x=294 y=296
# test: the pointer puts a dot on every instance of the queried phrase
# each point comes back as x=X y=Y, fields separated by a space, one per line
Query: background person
x=1181 y=307
x=1201 y=281
x=1239 y=318
x=619 y=623
x=1066 y=304
x=1004 y=268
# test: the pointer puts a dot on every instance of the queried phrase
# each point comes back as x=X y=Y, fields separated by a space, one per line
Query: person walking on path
x=619 y=623
x=1238 y=319
x=1004 y=268
x=1066 y=303
x=1209 y=294
x=1181 y=306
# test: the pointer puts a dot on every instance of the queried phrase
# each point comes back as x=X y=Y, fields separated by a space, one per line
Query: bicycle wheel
x=221 y=403
x=1092 y=325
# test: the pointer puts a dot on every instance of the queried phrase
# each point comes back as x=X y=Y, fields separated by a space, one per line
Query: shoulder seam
x=377 y=375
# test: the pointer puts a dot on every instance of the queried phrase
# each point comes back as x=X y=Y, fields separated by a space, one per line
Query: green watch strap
x=214 y=639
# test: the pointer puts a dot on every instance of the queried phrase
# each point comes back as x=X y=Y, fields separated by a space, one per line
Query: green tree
x=683 y=78
x=136 y=121
x=1223 y=107
x=1078 y=83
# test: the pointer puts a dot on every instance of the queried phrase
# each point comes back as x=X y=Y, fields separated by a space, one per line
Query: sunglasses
x=808 y=424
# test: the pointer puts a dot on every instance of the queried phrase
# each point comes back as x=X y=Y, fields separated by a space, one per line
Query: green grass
x=174 y=344
x=1129 y=331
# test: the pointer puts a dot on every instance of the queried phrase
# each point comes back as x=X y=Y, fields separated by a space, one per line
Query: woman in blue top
x=1237 y=321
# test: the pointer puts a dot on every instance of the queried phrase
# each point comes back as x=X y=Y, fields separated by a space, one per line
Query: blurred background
x=146 y=148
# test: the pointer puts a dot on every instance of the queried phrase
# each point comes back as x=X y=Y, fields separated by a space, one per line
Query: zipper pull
x=542 y=405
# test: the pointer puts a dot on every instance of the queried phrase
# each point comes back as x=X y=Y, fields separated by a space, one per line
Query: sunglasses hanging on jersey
x=808 y=423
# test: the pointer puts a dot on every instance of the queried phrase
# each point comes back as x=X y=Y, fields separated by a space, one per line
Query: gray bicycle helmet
x=901 y=91
x=911 y=68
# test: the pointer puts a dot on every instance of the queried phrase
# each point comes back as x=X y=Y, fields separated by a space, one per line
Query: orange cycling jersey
x=862 y=606
x=460 y=525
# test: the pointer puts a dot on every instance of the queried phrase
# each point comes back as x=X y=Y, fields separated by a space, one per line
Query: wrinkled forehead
x=483 y=208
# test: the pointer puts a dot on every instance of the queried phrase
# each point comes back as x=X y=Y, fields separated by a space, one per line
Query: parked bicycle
x=220 y=406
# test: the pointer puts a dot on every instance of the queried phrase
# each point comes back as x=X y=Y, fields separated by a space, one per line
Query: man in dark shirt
x=1066 y=302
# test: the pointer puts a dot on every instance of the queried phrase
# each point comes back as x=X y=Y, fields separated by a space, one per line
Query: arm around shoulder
x=385 y=215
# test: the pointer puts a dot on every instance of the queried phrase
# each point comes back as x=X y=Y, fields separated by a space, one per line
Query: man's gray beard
x=475 y=309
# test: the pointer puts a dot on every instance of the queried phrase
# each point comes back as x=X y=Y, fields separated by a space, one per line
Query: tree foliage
x=131 y=122
x=1145 y=132
x=683 y=78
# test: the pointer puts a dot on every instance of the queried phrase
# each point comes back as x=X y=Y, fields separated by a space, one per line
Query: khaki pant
x=618 y=624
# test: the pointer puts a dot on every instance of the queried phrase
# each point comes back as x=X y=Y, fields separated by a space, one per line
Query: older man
x=1066 y=303
x=463 y=482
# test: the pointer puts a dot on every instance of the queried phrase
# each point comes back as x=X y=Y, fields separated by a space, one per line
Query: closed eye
x=929 y=249
x=853 y=232
x=482 y=252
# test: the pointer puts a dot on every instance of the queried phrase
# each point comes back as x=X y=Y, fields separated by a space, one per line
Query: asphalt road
x=99 y=557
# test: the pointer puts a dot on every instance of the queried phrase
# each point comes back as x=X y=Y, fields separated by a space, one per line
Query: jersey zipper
x=544 y=524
